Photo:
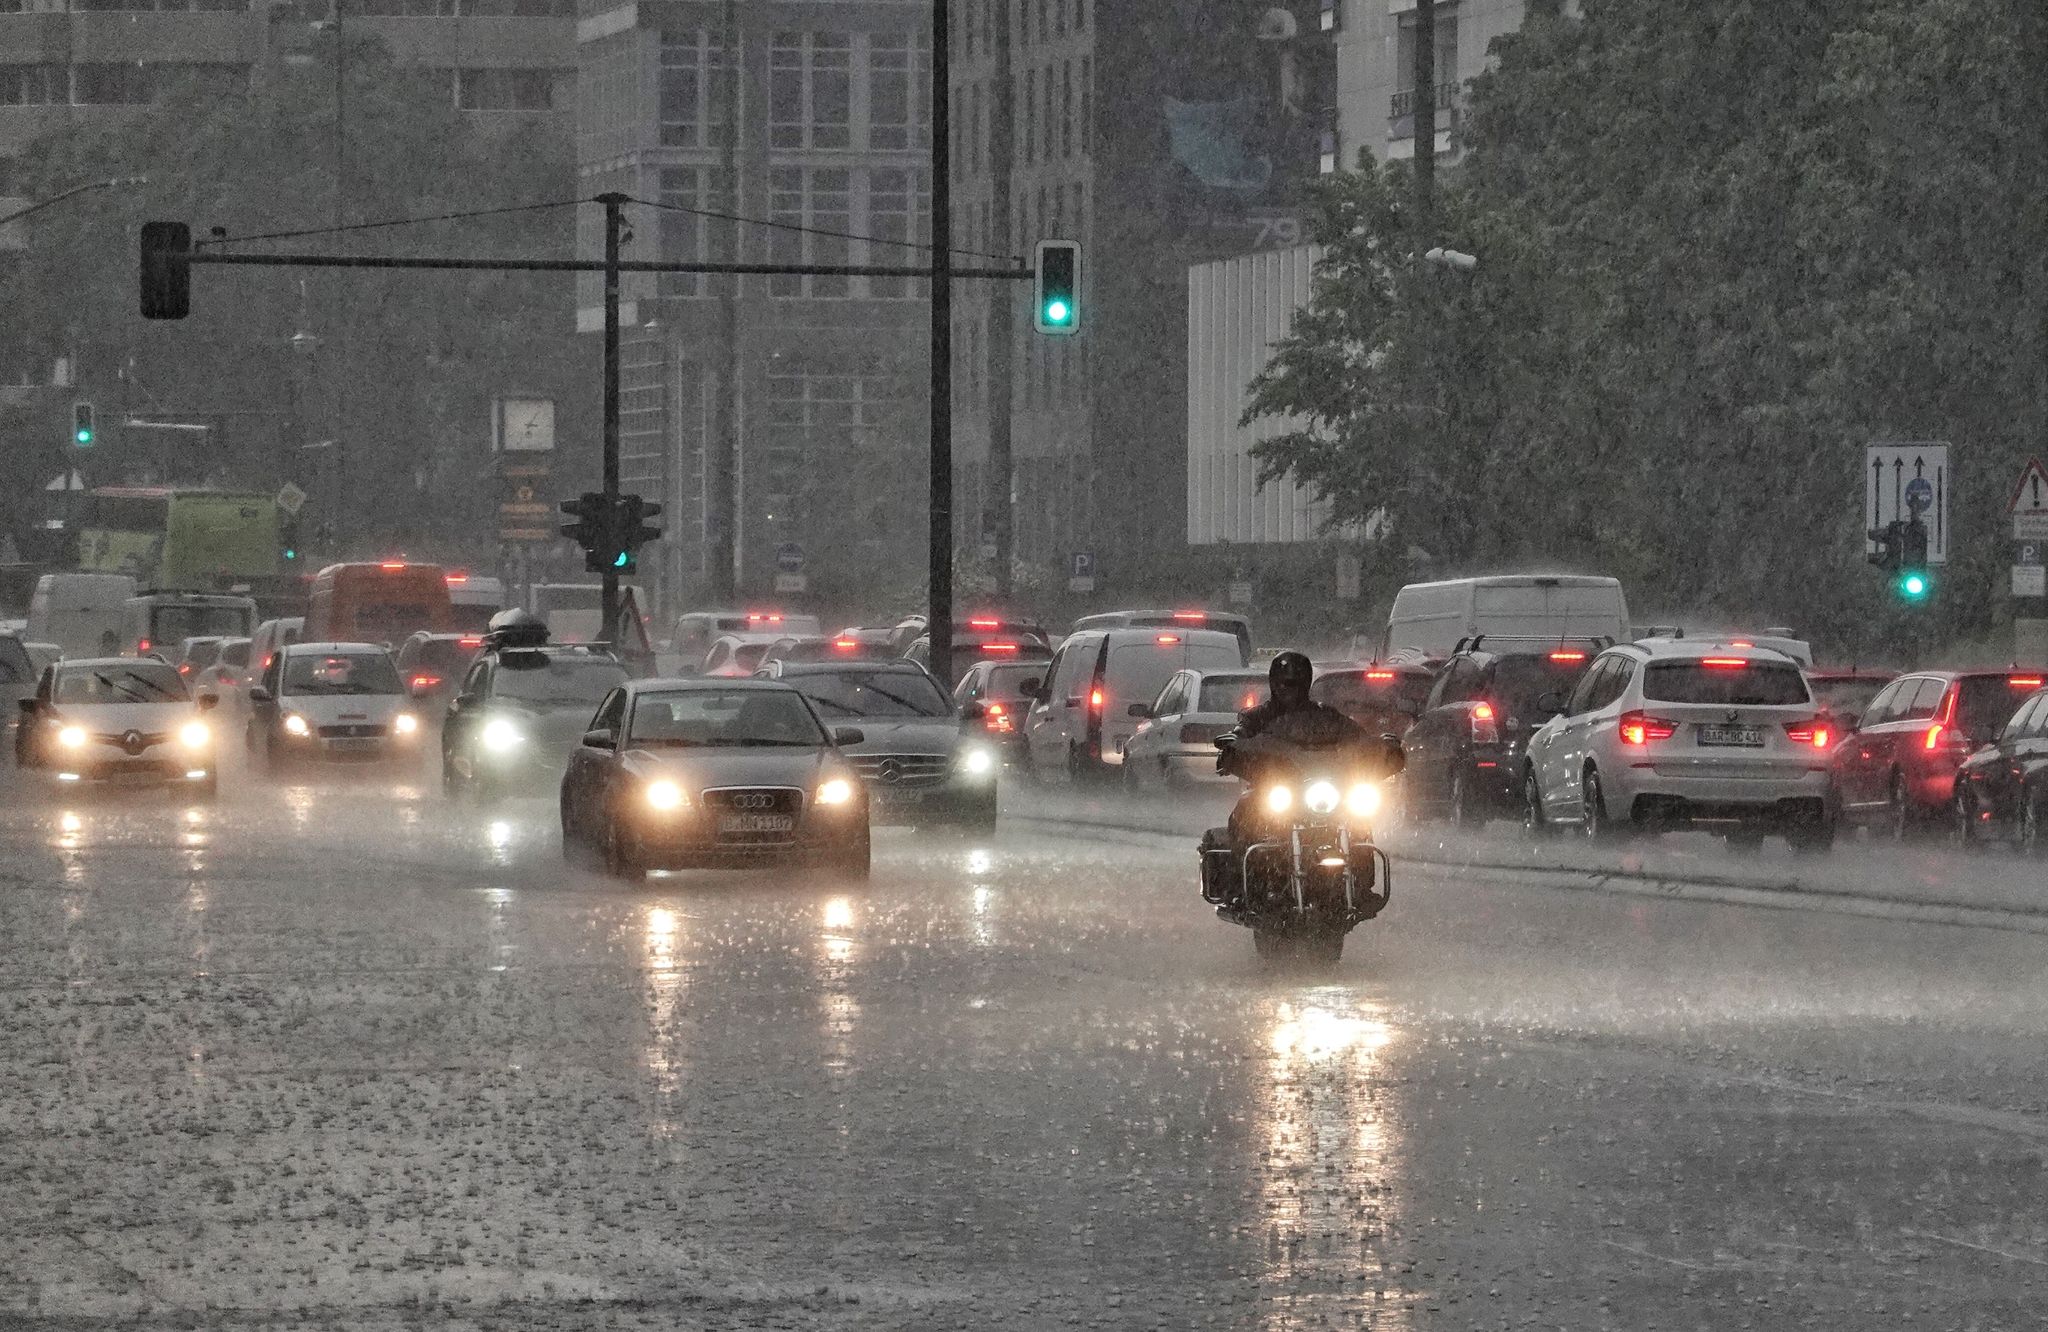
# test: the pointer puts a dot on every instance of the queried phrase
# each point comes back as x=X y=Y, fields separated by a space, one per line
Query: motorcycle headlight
x=294 y=724
x=838 y=791
x=1321 y=798
x=664 y=795
x=194 y=735
x=72 y=737
x=405 y=724
x=500 y=735
x=1364 y=800
x=977 y=763
x=1279 y=799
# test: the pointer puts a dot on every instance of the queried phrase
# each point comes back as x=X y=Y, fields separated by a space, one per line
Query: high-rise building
x=1376 y=92
x=70 y=63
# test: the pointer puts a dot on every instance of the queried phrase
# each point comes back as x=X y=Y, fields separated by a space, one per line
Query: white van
x=1081 y=714
x=153 y=624
x=79 y=612
x=1430 y=619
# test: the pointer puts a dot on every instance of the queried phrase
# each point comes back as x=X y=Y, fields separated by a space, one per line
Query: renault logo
x=133 y=742
x=891 y=771
x=759 y=800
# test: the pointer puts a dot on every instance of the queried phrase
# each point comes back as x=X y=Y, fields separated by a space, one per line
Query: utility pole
x=614 y=227
x=940 y=622
x=1425 y=117
x=1001 y=515
x=721 y=451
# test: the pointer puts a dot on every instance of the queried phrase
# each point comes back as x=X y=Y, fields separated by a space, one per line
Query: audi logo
x=762 y=801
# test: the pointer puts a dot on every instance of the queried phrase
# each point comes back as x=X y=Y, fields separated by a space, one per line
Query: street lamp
x=117 y=182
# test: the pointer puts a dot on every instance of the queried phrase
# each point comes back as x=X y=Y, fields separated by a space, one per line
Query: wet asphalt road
x=341 y=1055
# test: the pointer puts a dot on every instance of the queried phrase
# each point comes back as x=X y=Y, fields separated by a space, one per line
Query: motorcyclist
x=1289 y=716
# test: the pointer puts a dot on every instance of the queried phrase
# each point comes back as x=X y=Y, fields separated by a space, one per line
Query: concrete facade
x=1375 y=70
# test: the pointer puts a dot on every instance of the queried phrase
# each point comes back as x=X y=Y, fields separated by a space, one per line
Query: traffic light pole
x=614 y=226
x=939 y=621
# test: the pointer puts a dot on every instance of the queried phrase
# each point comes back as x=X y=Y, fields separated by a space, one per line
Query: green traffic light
x=1913 y=586
x=1057 y=312
x=291 y=554
x=84 y=436
x=624 y=560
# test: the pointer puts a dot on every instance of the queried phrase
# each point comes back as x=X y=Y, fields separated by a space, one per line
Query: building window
x=810 y=91
x=693 y=95
x=1030 y=113
x=899 y=209
x=34 y=85
x=1086 y=118
x=111 y=85
x=691 y=237
x=899 y=90
x=821 y=199
x=1067 y=109
x=505 y=89
x=1331 y=15
x=974 y=142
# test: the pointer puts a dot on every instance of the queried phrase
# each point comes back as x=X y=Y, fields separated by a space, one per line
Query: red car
x=1897 y=769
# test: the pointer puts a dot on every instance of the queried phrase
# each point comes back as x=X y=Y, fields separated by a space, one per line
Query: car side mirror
x=974 y=712
x=1142 y=711
x=258 y=694
x=843 y=736
x=1550 y=704
x=465 y=700
x=208 y=702
x=599 y=740
x=1397 y=758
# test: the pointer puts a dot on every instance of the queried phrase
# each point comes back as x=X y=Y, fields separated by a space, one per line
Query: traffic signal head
x=1914 y=585
x=1057 y=273
x=632 y=531
x=590 y=512
x=84 y=433
x=166 y=276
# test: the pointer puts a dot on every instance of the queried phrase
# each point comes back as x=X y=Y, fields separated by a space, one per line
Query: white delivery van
x=1081 y=715
x=79 y=612
x=1430 y=619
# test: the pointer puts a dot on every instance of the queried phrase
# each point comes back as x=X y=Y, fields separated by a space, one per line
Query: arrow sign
x=1925 y=493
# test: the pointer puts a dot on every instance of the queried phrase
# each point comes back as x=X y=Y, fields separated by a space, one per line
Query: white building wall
x=1237 y=310
x=1369 y=69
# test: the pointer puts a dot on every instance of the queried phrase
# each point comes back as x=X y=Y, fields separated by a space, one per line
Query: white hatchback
x=1667 y=734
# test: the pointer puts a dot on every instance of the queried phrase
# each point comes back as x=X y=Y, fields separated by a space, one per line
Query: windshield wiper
x=126 y=692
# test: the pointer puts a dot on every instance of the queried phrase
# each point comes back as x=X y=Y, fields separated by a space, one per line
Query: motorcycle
x=1297 y=865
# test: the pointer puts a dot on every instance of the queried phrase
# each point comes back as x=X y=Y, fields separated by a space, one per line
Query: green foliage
x=1722 y=246
x=405 y=363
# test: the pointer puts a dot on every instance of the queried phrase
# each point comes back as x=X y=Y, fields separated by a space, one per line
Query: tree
x=406 y=363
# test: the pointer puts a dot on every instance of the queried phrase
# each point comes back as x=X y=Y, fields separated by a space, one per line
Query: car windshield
x=1749 y=684
x=236 y=653
x=1009 y=681
x=340 y=673
x=1985 y=703
x=556 y=681
x=1370 y=693
x=1232 y=693
x=1519 y=681
x=446 y=655
x=881 y=694
x=1848 y=697
x=172 y=623
x=730 y=718
x=132 y=682
x=202 y=653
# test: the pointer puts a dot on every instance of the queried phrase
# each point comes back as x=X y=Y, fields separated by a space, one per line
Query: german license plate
x=1741 y=737
x=901 y=797
x=353 y=745
x=757 y=823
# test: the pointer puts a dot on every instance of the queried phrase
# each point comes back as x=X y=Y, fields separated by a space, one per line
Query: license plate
x=901 y=797
x=757 y=823
x=1745 y=737
x=353 y=744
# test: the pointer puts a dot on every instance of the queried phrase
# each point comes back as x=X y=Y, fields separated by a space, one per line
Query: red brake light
x=471 y=640
x=1167 y=640
x=1379 y=677
x=1815 y=733
x=1482 y=712
x=1249 y=701
x=996 y=709
x=1639 y=728
x=984 y=623
x=1095 y=699
x=999 y=647
x=1567 y=654
x=1191 y=617
x=392 y=564
x=1740 y=642
x=845 y=644
x=184 y=668
x=142 y=645
x=425 y=681
x=2024 y=682
x=455 y=580
x=1724 y=663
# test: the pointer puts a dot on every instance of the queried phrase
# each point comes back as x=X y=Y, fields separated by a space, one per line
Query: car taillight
x=1191 y=617
x=1167 y=640
x=1379 y=677
x=392 y=565
x=1485 y=724
x=984 y=624
x=1095 y=700
x=999 y=647
x=1567 y=656
x=425 y=681
x=1640 y=728
x=184 y=668
x=455 y=579
x=845 y=644
x=142 y=645
x=2024 y=682
x=1815 y=733
x=1724 y=663
x=472 y=640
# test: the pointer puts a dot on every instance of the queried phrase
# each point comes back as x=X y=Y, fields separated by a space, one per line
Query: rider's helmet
x=1291 y=675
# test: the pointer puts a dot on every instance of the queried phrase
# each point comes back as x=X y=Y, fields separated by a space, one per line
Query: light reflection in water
x=298 y=803
x=500 y=834
x=1329 y=1174
x=838 y=1011
x=838 y=938
x=660 y=934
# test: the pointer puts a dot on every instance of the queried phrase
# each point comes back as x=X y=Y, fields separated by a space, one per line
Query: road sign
x=1902 y=482
x=1241 y=592
x=792 y=582
x=1081 y=571
x=2030 y=580
x=2030 y=493
x=1350 y=576
x=291 y=499
x=789 y=558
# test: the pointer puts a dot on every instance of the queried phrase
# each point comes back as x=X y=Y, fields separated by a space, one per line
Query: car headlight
x=405 y=723
x=1321 y=798
x=1364 y=800
x=501 y=735
x=195 y=735
x=72 y=737
x=838 y=791
x=294 y=724
x=1279 y=799
x=664 y=795
x=977 y=763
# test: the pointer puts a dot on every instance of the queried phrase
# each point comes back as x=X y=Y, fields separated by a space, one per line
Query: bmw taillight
x=1640 y=728
x=1815 y=733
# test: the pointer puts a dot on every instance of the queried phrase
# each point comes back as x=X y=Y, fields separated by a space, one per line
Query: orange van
x=377 y=603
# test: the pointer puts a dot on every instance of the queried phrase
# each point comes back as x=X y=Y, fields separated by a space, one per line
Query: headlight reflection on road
x=1330 y=1147
x=660 y=932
